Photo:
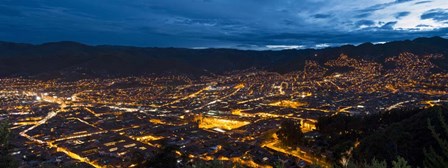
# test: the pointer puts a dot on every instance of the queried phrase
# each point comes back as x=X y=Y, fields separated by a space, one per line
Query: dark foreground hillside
x=407 y=138
x=385 y=136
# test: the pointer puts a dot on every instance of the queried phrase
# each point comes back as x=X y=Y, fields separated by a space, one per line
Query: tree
x=279 y=165
x=400 y=163
x=138 y=158
x=406 y=138
x=433 y=158
x=5 y=159
x=290 y=133
x=4 y=134
x=397 y=163
x=165 y=158
x=376 y=164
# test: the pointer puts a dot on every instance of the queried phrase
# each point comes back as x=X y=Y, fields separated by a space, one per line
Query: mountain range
x=76 y=59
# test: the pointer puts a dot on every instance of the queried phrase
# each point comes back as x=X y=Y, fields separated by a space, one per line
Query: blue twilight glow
x=245 y=24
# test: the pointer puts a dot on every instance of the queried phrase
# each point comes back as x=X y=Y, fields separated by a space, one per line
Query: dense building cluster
x=232 y=116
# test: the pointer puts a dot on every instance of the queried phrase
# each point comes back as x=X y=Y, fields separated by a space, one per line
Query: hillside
x=71 y=58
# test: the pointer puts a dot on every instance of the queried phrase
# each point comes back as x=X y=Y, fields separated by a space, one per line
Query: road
x=306 y=157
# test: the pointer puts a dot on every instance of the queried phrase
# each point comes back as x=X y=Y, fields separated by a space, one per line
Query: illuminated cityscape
x=224 y=84
x=232 y=117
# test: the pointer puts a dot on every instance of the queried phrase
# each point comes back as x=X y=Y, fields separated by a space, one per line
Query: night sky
x=243 y=24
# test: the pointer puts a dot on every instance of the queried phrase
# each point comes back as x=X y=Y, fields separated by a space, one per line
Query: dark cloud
x=422 y=2
x=383 y=5
x=436 y=14
x=364 y=23
x=288 y=22
x=321 y=16
x=402 y=14
x=388 y=25
x=213 y=23
x=423 y=25
x=363 y=15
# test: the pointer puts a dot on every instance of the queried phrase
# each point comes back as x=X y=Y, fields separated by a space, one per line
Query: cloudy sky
x=244 y=24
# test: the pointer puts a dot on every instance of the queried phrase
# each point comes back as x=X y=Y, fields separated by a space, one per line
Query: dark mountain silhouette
x=72 y=58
